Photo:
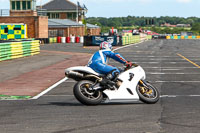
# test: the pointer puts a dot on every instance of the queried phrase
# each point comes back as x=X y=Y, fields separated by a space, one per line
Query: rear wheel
x=147 y=93
x=85 y=95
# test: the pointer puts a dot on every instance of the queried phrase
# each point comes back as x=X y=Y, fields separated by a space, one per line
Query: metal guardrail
x=41 y=12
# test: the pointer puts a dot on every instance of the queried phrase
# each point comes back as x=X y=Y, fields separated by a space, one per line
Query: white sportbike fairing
x=127 y=90
x=130 y=86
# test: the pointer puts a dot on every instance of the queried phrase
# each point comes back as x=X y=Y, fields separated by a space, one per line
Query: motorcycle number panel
x=127 y=91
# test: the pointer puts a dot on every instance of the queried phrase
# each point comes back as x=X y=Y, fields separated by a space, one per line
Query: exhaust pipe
x=73 y=75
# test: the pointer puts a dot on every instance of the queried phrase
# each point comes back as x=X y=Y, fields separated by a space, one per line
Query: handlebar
x=125 y=68
x=129 y=67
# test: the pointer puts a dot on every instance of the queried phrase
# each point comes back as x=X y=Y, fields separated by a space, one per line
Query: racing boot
x=110 y=80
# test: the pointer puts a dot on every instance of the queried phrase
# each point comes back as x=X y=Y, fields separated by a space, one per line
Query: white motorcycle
x=129 y=86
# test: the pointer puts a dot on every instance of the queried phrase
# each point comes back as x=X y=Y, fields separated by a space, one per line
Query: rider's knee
x=113 y=74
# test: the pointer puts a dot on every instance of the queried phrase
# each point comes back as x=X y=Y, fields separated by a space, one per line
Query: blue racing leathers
x=98 y=62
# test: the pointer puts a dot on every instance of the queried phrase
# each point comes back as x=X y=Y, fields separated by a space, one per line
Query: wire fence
x=4 y=12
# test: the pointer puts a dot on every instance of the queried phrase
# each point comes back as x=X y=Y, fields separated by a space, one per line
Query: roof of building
x=58 y=23
x=62 y=23
x=60 y=5
x=183 y=24
x=92 y=26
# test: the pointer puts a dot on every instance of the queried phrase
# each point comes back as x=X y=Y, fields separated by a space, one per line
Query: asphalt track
x=171 y=65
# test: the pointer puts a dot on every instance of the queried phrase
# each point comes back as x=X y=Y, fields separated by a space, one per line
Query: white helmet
x=105 y=45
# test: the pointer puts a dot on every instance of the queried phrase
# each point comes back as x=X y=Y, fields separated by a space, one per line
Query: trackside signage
x=96 y=40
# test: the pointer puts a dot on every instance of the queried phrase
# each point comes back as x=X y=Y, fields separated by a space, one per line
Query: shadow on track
x=79 y=104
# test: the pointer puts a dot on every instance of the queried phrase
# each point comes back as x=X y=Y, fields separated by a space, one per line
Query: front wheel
x=85 y=95
x=147 y=92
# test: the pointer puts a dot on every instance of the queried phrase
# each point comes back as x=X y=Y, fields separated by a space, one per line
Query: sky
x=123 y=8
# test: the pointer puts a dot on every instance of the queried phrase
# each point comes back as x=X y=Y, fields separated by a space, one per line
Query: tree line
x=131 y=21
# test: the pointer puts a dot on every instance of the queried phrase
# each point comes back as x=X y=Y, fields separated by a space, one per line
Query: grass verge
x=6 y=97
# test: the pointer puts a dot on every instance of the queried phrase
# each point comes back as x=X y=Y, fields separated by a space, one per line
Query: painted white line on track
x=156 y=62
x=164 y=62
x=173 y=73
x=127 y=46
x=70 y=81
x=50 y=88
x=171 y=67
x=174 y=96
x=162 y=96
x=161 y=56
x=158 y=59
x=177 y=81
x=58 y=95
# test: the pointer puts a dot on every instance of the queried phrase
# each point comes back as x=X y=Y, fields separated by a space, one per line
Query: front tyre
x=85 y=95
x=148 y=93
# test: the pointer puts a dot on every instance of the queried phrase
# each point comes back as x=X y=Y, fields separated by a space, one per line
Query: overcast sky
x=148 y=8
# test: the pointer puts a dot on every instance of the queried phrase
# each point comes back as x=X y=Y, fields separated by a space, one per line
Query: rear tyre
x=148 y=93
x=85 y=95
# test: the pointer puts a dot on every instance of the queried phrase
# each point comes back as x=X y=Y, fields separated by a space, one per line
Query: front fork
x=144 y=87
x=143 y=83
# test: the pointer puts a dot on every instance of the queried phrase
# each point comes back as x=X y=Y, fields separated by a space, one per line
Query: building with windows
x=23 y=8
x=63 y=9
x=65 y=28
x=24 y=12
x=167 y=25
x=64 y=19
x=183 y=25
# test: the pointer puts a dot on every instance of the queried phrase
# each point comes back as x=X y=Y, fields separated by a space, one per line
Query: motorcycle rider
x=98 y=62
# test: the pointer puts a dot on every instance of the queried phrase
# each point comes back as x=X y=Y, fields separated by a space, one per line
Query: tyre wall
x=13 y=50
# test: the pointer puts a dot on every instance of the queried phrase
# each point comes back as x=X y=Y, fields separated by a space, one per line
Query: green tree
x=196 y=27
x=190 y=21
